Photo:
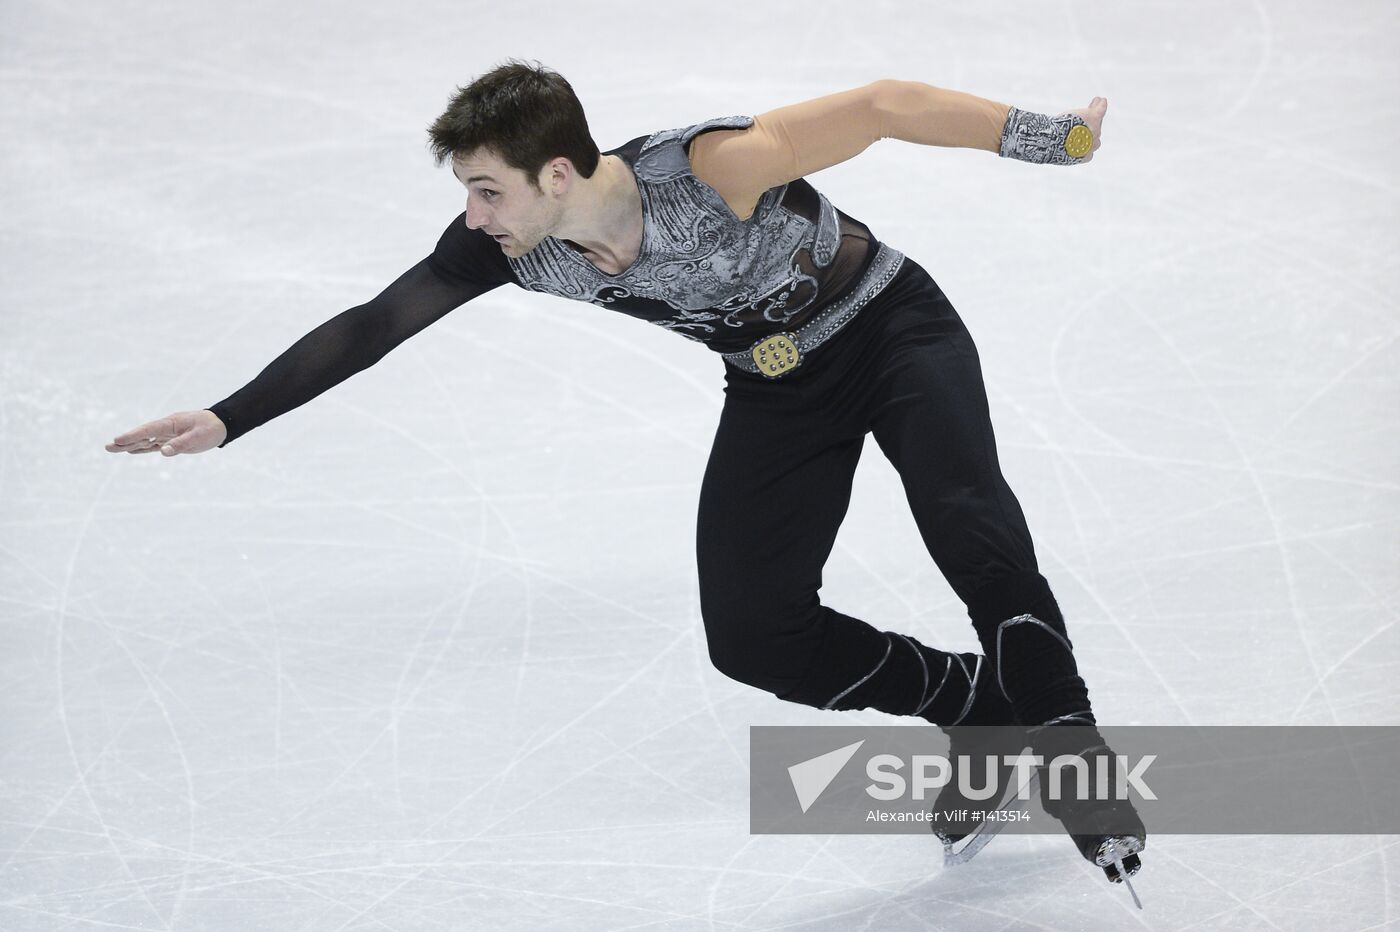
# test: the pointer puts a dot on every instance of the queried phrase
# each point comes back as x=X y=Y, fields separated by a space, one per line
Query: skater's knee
x=756 y=642
x=731 y=659
x=727 y=646
x=751 y=660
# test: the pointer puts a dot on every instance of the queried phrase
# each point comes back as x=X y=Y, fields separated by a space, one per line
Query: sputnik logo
x=811 y=777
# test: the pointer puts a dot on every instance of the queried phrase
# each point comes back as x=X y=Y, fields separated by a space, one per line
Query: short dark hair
x=525 y=114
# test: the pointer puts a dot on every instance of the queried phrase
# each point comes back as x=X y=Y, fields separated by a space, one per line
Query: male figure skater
x=827 y=334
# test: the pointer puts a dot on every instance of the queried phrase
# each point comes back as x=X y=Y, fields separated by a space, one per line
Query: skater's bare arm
x=797 y=140
x=348 y=343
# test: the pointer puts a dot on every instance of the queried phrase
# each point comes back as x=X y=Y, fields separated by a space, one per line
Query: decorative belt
x=775 y=355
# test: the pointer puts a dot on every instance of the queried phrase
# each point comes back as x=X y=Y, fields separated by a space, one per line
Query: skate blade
x=977 y=839
x=1121 y=851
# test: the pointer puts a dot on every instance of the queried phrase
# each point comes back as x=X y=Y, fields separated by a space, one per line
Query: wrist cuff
x=1044 y=140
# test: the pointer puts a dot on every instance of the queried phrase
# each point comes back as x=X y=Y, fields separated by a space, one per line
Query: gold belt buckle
x=776 y=355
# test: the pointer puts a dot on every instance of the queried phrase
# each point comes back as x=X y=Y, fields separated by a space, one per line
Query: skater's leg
x=929 y=415
x=931 y=419
x=775 y=491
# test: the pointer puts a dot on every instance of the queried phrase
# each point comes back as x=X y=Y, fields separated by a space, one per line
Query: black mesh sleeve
x=459 y=269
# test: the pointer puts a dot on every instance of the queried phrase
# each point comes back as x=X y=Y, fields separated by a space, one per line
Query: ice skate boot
x=963 y=824
x=1107 y=831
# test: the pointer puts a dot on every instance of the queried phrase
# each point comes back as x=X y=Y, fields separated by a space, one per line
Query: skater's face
x=502 y=202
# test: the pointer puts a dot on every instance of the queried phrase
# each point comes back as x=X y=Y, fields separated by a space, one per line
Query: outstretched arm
x=347 y=343
x=797 y=140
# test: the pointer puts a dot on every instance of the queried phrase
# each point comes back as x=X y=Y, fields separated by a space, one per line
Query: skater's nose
x=476 y=219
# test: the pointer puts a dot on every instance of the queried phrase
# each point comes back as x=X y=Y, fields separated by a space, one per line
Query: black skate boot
x=969 y=747
x=953 y=818
x=1107 y=831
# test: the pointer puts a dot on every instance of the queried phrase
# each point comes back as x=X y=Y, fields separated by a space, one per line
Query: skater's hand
x=1093 y=115
x=183 y=432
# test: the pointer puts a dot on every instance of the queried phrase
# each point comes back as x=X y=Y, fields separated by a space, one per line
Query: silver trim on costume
x=1023 y=619
x=1077 y=717
x=836 y=698
x=971 y=688
x=947 y=668
x=832 y=318
x=918 y=706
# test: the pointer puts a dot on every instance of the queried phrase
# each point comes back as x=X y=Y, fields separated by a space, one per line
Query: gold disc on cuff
x=1079 y=141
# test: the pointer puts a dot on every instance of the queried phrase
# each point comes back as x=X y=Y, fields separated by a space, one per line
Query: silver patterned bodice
x=703 y=272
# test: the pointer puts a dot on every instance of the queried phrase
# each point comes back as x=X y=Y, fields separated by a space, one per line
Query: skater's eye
x=488 y=194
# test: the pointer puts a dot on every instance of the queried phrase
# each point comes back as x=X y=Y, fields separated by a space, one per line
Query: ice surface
x=425 y=653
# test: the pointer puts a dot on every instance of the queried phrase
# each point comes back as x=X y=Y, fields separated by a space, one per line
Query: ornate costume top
x=702 y=271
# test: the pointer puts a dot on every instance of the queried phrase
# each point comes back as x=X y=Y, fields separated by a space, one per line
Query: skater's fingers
x=142 y=445
x=161 y=429
x=115 y=447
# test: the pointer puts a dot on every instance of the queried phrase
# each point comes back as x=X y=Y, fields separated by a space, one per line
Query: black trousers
x=777 y=486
